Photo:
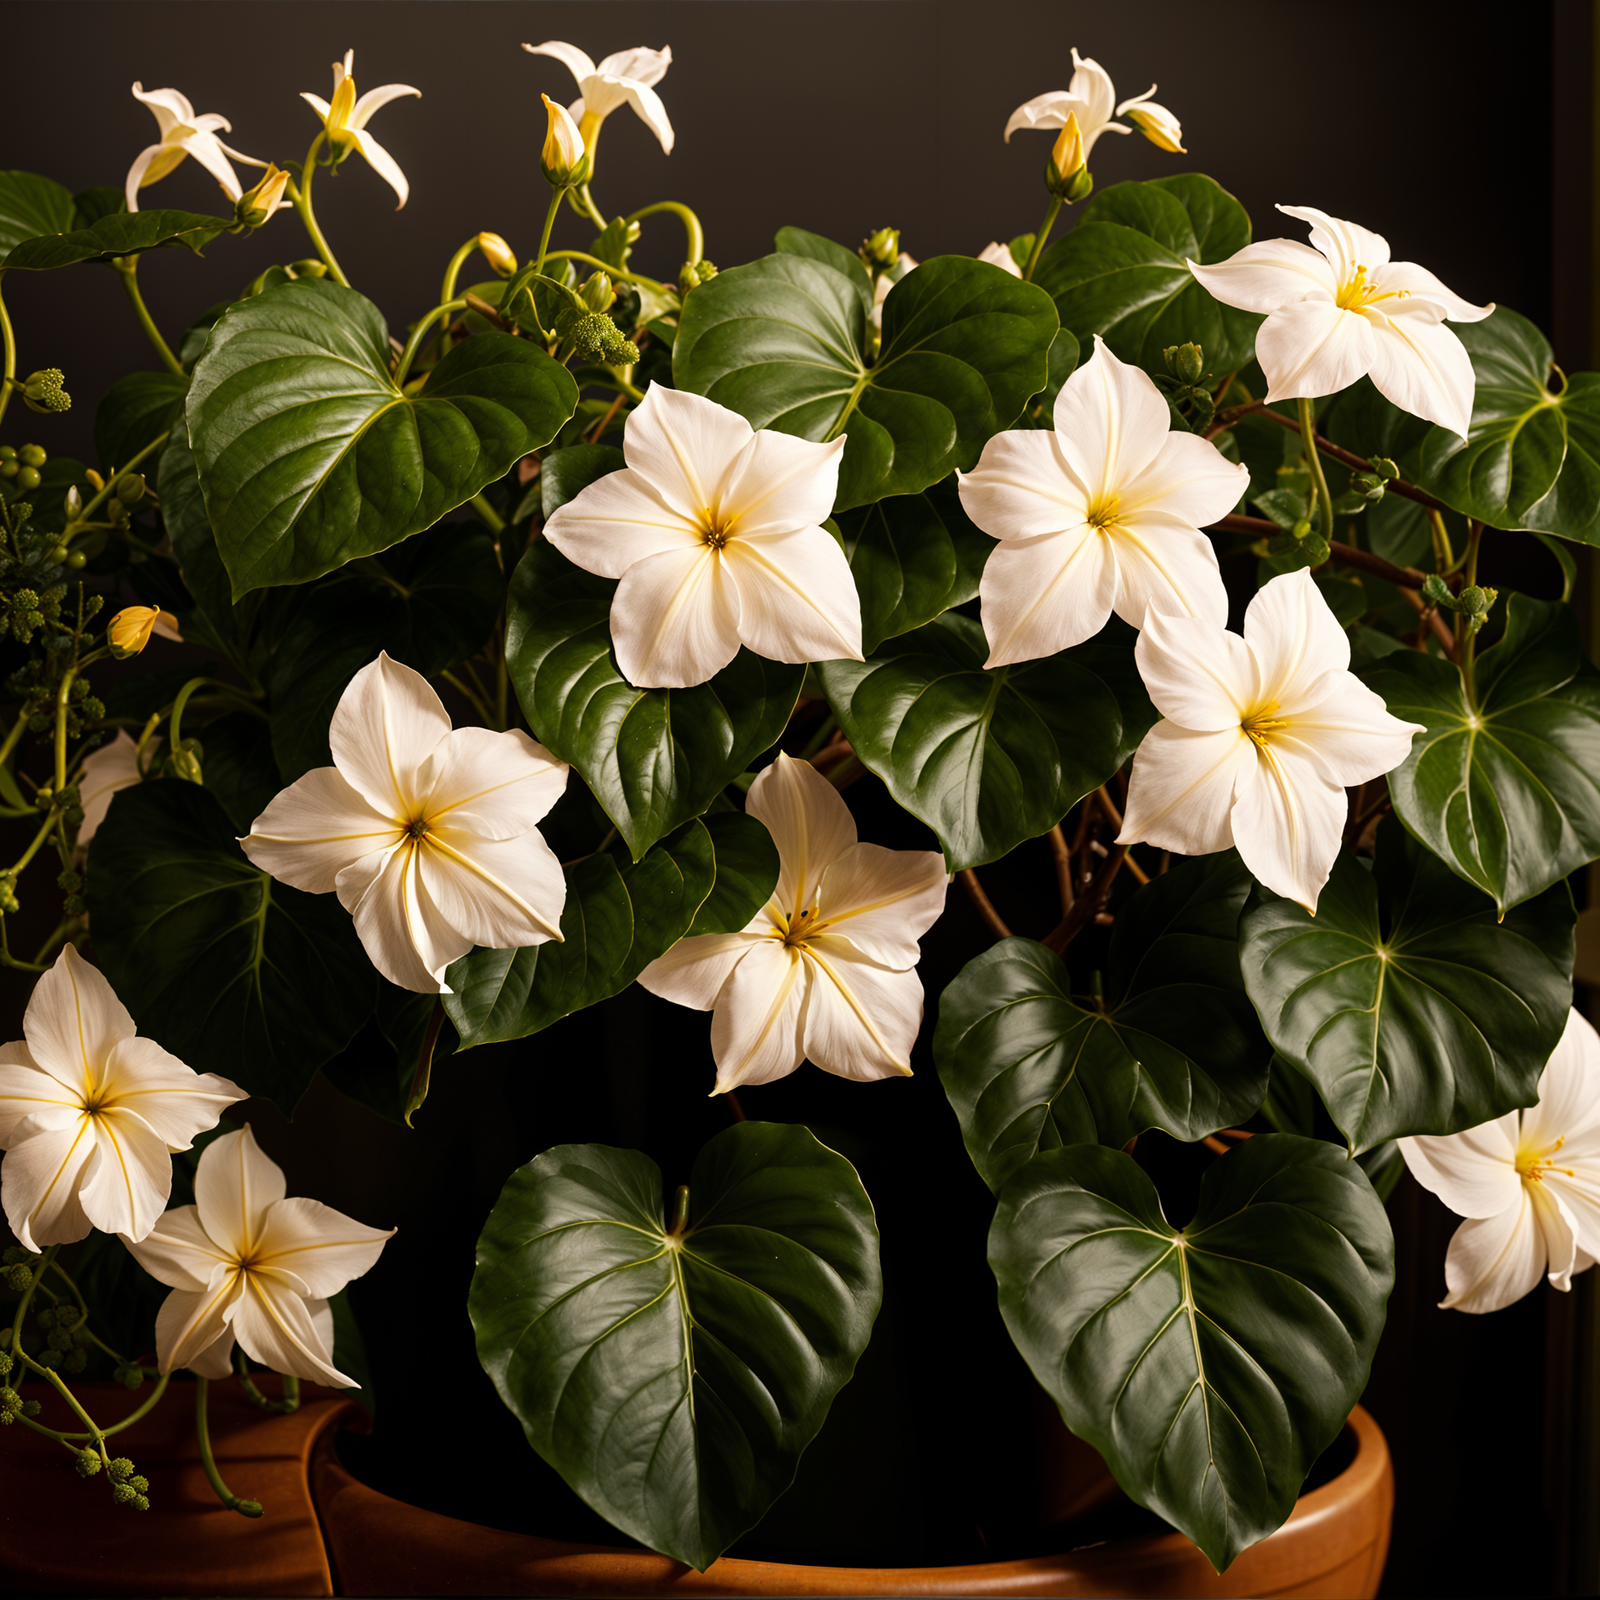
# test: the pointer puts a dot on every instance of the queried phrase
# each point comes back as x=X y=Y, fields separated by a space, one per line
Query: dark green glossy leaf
x=438 y=608
x=799 y=242
x=653 y=757
x=1122 y=272
x=379 y=1068
x=619 y=917
x=310 y=457
x=1404 y=1000
x=913 y=558
x=29 y=206
x=673 y=1381
x=136 y=411
x=122 y=233
x=563 y=473
x=1293 y=1106
x=1175 y=1044
x=1210 y=1365
x=1505 y=789
x=183 y=510
x=229 y=970
x=238 y=766
x=782 y=342
x=989 y=758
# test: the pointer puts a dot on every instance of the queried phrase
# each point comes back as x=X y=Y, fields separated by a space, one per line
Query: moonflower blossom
x=246 y=1264
x=90 y=1113
x=999 y=255
x=183 y=133
x=346 y=122
x=1344 y=310
x=425 y=832
x=826 y=968
x=112 y=767
x=1528 y=1184
x=1260 y=737
x=715 y=529
x=1092 y=98
x=1101 y=515
x=625 y=78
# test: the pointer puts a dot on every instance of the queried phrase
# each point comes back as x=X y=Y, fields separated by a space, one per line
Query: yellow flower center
x=799 y=926
x=1260 y=724
x=1357 y=295
x=417 y=829
x=1532 y=1164
x=716 y=528
x=343 y=103
x=1102 y=513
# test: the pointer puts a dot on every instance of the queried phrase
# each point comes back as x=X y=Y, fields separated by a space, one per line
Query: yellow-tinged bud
x=597 y=293
x=257 y=204
x=340 y=107
x=563 y=160
x=1067 y=157
x=129 y=631
x=880 y=249
x=497 y=253
x=1158 y=125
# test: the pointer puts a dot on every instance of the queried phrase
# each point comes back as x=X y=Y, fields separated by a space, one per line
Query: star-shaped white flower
x=1092 y=98
x=626 y=78
x=1260 y=738
x=426 y=832
x=715 y=529
x=1343 y=311
x=1528 y=1184
x=245 y=1263
x=826 y=969
x=1102 y=514
x=183 y=133
x=346 y=121
x=90 y=1113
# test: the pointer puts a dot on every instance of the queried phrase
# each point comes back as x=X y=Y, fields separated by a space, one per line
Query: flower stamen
x=1533 y=1164
x=1358 y=294
x=1102 y=513
x=716 y=528
x=1259 y=724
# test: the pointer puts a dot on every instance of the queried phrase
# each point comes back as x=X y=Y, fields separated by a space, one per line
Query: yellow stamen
x=1358 y=294
x=1259 y=724
x=1533 y=1164
x=1102 y=514
x=716 y=528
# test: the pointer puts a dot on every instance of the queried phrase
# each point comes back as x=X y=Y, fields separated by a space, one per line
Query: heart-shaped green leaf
x=1505 y=788
x=619 y=917
x=800 y=242
x=437 y=607
x=136 y=411
x=308 y=454
x=989 y=758
x=1210 y=1365
x=913 y=558
x=183 y=511
x=653 y=757
x=1174 y=1044
x=782 y=341
x=673 y=1375
x=30 y=206
x=1123 y=272
x=1404 y=1000
x=226 y=968
x=122 y=233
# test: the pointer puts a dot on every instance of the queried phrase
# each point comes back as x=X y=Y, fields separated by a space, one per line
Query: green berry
x=32 y=455
x=77 y=560
x=28 y=478
x=9 y=467
x=8 y=452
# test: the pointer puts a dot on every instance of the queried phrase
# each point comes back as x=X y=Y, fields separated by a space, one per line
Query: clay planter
x=55 y=1538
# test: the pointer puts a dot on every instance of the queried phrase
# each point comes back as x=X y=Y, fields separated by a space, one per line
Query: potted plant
x=699 y=635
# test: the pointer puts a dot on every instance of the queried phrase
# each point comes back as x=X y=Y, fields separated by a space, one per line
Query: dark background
x=1465 y=136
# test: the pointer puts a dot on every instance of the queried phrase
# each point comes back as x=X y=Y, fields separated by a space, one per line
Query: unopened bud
x=695 y=273
x=597 y=292
x=1434 y=588
x=120 y=1468
x=42 y=391
x=880 y=249
x=1185 y=361
x=185 y=761
x=1155 y=122
x=310 y=267
x=129 y=631
x=1065 y=174
x=256 y=205
x=87 y=1462
x=497 y=253
x=1478 y=602
x=563 y=160
x=129 y=488
x=18 y=1277
x=1385 y=468
x=73 y=506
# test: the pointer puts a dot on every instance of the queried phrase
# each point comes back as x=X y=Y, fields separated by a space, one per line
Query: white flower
x=183 y=133
x=244 y=1263
x=1528 y=1183
x=1344 y=310
x=715 y=530
x=90 y=1113
x=1101 y=515
x=1261 y=735
x=426 y=833
x=112 y=767
x=1092 y=98
x=825 y=969
x=346 y=122
x=621 y=79
x=999 y=255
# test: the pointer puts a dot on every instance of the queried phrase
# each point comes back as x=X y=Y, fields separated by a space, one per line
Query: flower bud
x=129 y=488
x=87 y=1462
x=497 y=253
x=881 y=249
x=1157 y=124
x=597 y=292
x=256 y=205
x=1477 y=602
x=42 y=391
x=121 y=1468
x=185 y=761
x=72 y=505
x=129 y=631
x=695 y=273
x=1185 y=361
x=309 y=267
x=1065 y=175
x=563 y=160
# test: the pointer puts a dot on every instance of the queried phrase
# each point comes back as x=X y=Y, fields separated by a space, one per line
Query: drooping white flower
x=245 y=1263
x=625 y=78
x=346 y=120
x=1528 y=1184
x=184 y=132
x=1344 y=310
x=425 y=832
x=826 y=970
x=1092 y=98
x=1259 y=739
x=112 y=767
x=1103 y=514
x=715 y=529
x=90 y=1113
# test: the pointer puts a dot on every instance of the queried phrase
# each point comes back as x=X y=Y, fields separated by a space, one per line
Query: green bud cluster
x=11 y=1406
x=86 y=1462
x=881 y=249
x=595 y=337
x=1184 y=386
x=1473 y=604
x=128 y=1487
x=695 y=273
x=131 y=1376
x=16 y=1277
x=42 y=391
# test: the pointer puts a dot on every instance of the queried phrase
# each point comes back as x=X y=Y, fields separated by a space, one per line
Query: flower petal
x=1347 y=245
x=1493 y=1261
x=276 y=1327
x=139 y=174
x=618 y=520
x=1023 y=486
x=685 y=447
x=1198 y=675
x=882 y=901
x=1296 y=641
x=112 y=767
x=399 y=926
x=234 y=1184
x=778 y=484
x=1041 y=595
x=73 y=1020
x=128 y=1187
x=576 y=61
x=1350 y=733
x=1189 y=479
x=1268 y=275
x=1560 y=1231
x=798 y=600
x=174 y=1100
x=675 y=619
x=1181 y=789
x=373 y=99
x=170 y=107
x=1091 y=83
x=809 y=822
x=693 y=971
x=192 y=1329
x=1288 y=818
x=27 y=1090
x=755 y=1030
x=860 y=1019
x=499 y=893
x=381 y=162
x=640 y=63
x=1422 y=367
x=1111 y=422
x=648 y=104
x=209 y=153
x=386 y=725
x=40 y=1178
x=1420 y=284
x=315 y=828
x=1569 y=1095
x=1312 y=349
x=1163 y=561
x=1475 y=1172
x=178 y=1251
x=322 y=1247
x=1047 y=111
x=493 y=785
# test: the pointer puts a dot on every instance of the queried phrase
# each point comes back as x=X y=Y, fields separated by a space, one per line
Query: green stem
x=418 y=334
x=694 y=239
x=128 y=267
x=825 y=732
x=465 y=690
x=1041 y=238
x=105 y=494
x=479 y=504
x=128 y=1421
x=14 y=737
x=605 y=266
x=549 y=224
x=27 y=1299
x=1319 y=479
x=8 y=371
x=175 y=721
x=248 y=1508
x=589 y=208
x=301 y=197
x=63 y=706
x=453 y=271
x=1467 y=628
